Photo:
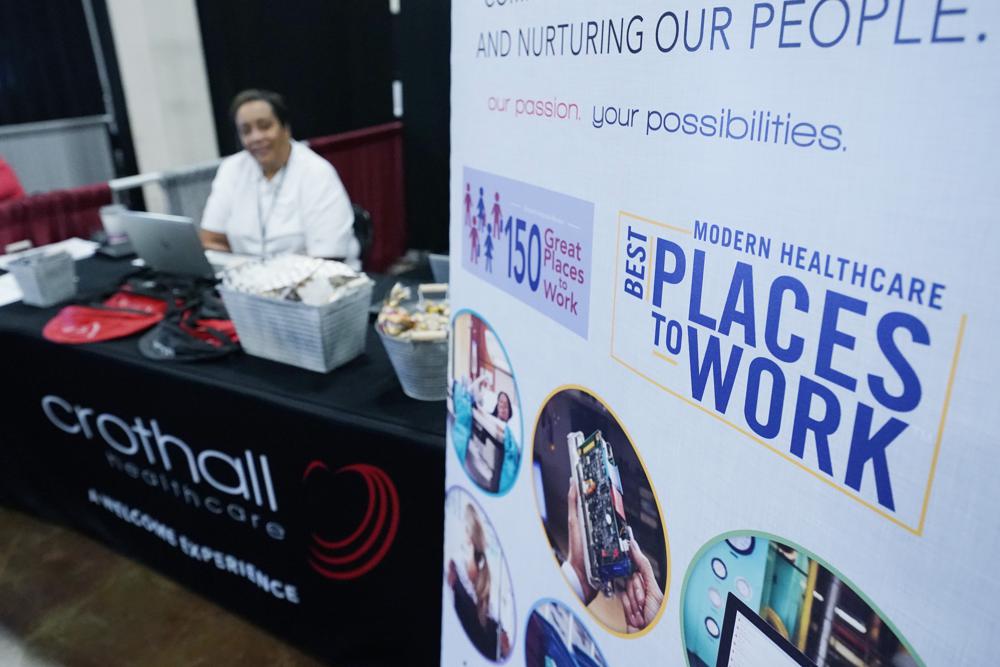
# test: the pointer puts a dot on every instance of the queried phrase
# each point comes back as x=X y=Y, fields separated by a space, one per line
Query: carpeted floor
x=66 y=601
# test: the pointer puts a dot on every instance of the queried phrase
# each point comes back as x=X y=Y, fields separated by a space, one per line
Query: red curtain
x=370 y=164
x=53 y=216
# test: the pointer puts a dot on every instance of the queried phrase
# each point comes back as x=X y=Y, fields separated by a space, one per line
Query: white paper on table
x=76 y=247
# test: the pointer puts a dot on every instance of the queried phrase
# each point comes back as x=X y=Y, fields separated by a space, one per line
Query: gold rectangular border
x=919 y=530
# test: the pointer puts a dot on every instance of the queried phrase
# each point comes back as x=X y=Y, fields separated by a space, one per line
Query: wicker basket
x=421 y=366
x=317 y=338
x=45 y=280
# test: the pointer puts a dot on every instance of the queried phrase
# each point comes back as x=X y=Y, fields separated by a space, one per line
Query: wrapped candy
x=425 y=319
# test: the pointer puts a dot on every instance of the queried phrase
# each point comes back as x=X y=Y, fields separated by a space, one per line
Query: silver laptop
x=167 y=243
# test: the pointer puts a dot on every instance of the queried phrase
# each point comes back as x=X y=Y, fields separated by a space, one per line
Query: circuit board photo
x=605 y=526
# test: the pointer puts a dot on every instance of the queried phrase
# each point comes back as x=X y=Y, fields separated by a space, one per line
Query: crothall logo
x=236 y=486
x=352 y=552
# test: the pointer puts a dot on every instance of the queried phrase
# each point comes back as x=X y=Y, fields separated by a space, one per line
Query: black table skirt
x=310 y=503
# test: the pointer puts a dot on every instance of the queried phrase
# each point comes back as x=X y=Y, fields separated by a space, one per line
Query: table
x=309 y=503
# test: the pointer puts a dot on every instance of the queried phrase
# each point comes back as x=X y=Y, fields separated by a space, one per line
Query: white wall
x=158 y=43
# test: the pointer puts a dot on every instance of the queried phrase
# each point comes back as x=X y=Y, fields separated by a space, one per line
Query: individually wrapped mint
x=424 y=319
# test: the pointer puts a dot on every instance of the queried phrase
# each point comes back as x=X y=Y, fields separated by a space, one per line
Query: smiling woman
x=261 y=121
x=276 y=196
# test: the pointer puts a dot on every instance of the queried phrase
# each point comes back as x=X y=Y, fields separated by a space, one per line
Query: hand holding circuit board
x=602 y=550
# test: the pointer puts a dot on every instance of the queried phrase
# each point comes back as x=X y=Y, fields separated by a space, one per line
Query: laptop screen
x=748 y=641
x=167 y=243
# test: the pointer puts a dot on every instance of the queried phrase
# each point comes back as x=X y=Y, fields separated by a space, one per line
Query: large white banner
x=724 y=283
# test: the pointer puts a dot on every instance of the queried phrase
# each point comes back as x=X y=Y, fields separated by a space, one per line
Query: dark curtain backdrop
x=48 y=71
x=57 y=81
x=334 y=61
x=331 y=59
x=424 y=66
x=122 y=145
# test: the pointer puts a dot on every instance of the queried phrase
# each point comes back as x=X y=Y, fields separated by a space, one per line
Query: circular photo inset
x=745 y=591
x=556 y=638
x=477 y=580
x=484 y=408
x=600 y=512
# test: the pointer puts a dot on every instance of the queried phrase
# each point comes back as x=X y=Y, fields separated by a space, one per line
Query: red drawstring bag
x=123 y=314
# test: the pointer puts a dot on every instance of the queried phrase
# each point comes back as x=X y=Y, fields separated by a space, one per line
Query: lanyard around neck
x=263 y=219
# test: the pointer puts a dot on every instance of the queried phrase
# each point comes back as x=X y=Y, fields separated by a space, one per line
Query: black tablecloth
x=365 y=392
x=309 y=502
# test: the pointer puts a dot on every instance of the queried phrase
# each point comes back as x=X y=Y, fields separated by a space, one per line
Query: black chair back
x=364 y=230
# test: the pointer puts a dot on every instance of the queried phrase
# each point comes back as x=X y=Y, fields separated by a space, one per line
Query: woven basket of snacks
x=303 y=311
x=414 y=331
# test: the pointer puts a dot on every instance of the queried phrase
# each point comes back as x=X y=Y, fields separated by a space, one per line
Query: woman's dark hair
x=276 y=101
x=510 y=406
